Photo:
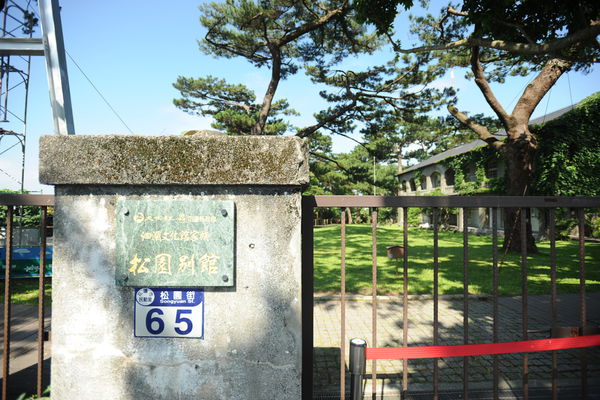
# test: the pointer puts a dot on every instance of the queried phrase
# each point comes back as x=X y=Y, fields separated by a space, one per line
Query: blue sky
x=134 y=50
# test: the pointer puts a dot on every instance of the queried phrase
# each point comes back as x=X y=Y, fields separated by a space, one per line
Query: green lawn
x=358 y=265
x=420 y=274
x=25 y=291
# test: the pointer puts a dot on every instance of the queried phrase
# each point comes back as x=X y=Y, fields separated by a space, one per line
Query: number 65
x=152 y=320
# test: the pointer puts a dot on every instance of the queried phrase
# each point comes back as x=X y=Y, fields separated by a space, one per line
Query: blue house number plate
x=168 y=312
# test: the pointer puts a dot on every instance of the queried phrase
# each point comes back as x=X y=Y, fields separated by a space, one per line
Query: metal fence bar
x=525 y=315
x=7 y=293
x=41 y=293
x=553 y=294
x=405 y=300
x=11 y=199
x=582 y=302
x=374 y=302
x=308 y=204
x=495 y=284
x=343 y=308
x=436 y=270
x=523 y=204
x=465 y=302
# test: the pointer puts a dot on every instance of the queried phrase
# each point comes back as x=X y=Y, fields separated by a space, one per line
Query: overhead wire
x=570 y=94
x=10 y=176
x=99 y=93
x=518 y=93
x=547 y=102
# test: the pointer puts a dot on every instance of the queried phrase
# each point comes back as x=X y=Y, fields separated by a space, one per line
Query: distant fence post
x=358 y=360
x=177 y=266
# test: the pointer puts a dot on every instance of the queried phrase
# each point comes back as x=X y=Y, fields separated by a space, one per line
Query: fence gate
x=453 y=316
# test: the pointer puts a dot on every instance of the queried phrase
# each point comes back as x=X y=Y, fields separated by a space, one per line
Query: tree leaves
x=568 y=159
x=380 y=13
x=232 y=106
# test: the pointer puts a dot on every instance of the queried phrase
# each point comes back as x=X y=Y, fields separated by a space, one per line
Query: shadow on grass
x=327 y=250
x=25 y=291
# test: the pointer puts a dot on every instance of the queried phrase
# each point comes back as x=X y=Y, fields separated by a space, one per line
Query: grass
x=25 y=291
x=420 y=272
x=327 y=245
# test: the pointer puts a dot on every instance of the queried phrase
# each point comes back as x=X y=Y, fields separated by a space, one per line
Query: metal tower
x=17 y=45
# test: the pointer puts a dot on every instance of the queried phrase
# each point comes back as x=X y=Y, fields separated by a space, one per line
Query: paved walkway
x=420 y=333
x=389 y=373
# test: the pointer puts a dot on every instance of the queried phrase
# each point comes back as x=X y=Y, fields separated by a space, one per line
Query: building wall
x=439 y=179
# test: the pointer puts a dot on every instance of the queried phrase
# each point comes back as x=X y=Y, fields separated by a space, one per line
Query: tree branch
x=449 y=11
x=331 y=160
x=245 y=107
x=520 y=28
x=483 y=133
x=589 y=32
x=353 y=139
x=234 y=51
x=535 y=91
x=261 y=121
x=309 y=8
x=485 y=88
x=395 y=45
x=398 y=79
x=453 y=11
x=312 y=25
x=313 y=128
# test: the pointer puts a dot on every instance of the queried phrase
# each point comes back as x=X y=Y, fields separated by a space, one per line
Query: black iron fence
x=10 y=205
x=523 y=205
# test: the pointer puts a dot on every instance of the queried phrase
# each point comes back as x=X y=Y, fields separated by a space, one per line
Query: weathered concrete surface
x=171 y=160
x=252 y=345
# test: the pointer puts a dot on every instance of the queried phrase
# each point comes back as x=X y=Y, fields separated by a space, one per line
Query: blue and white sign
x=173 y=313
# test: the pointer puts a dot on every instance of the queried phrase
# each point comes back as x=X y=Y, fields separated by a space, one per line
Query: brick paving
x=420 y=333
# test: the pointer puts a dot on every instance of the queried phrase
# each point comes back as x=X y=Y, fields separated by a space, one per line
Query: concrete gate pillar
x=251 y=345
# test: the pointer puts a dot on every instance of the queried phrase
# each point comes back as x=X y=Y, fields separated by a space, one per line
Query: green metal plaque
x=174 y=243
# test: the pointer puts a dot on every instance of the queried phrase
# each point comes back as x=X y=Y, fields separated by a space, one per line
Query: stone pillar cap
x=173 y=160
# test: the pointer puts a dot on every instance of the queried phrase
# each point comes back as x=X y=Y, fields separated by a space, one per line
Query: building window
x=436 y=180
x=423 y=182
x=491 y=170
x=403 y=186
x=471 y=175
x=449 y=175
x=413 y=185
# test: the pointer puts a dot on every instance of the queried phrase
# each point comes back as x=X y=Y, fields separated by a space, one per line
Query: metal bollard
x=358 y=361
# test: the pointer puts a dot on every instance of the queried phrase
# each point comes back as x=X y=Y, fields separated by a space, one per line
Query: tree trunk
x=519 y=154
x=520 y=146
x=349 y=216
x=259 y=127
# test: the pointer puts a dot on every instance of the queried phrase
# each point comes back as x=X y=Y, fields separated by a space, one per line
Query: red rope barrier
x=526 y=346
